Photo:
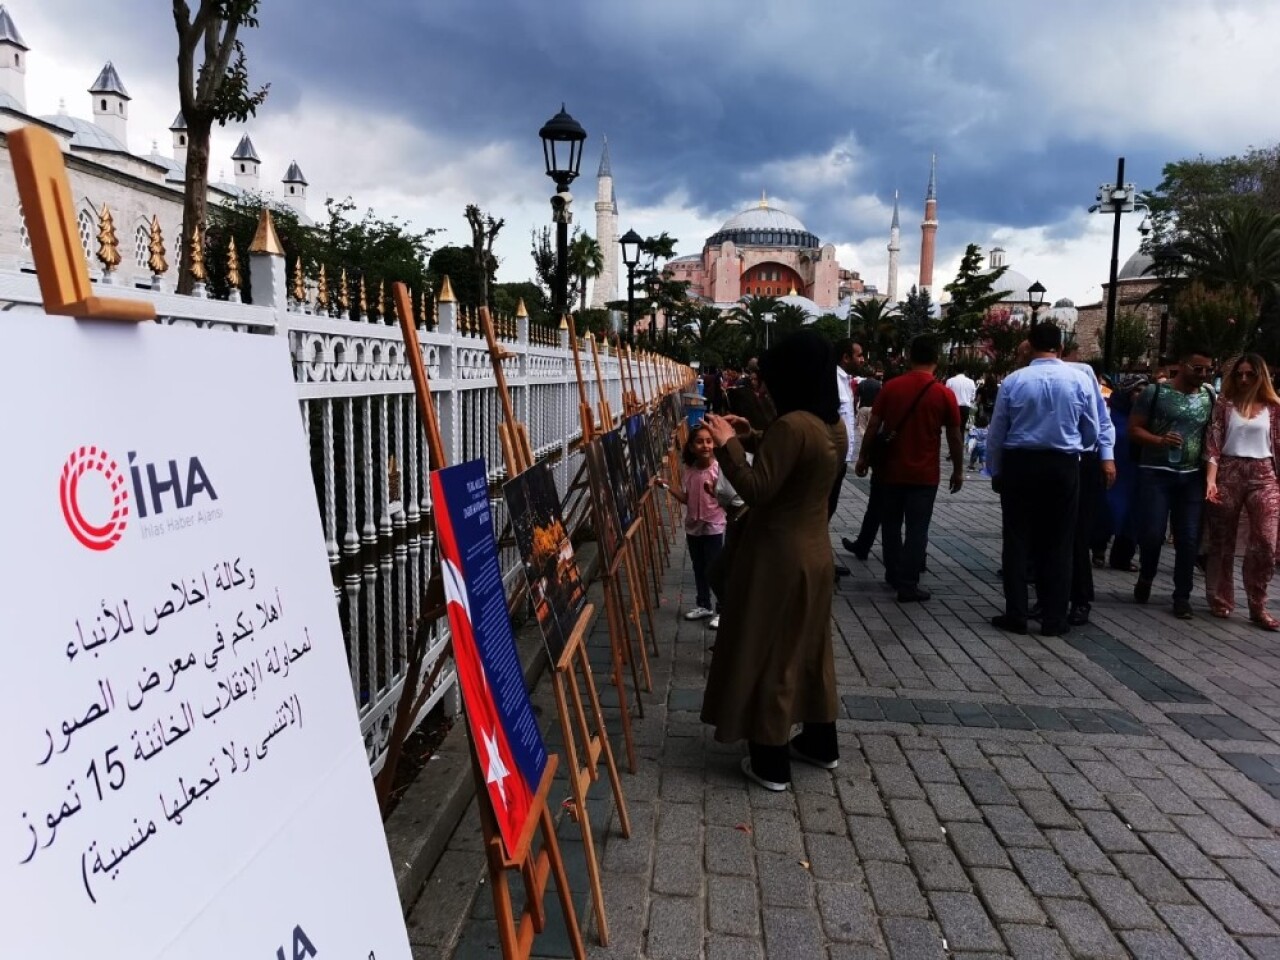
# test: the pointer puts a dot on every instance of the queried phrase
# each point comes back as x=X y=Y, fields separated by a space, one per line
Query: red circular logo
x=113 y=499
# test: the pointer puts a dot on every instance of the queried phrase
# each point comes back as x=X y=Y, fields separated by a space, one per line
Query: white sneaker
x=699 y=613
x=714 y=622
x=761 y=781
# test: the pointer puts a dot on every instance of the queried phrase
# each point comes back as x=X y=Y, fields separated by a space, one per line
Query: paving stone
x=1262 y=948
x=878 y=748
x=1120 y=903
x=1238 y=821
x=1211 y=836
x=1183 y=857
x=964 y=754
x=937 y=867
x=1034 y=943
x=847 y=913
x=734 y=948
x=728 y=851
x=675 y=929
x=777 y=831
x=791 y=933
x=820 y=814
x=732 y=907
x=1168 y=797
x=1046 y=810
x=1076 y=792
x=1258 y=881
x=726 y=806
x=1110 y=833
x=1013 y=827
x=951 y=802
x=964 y=922
x=976 y=845
x=832 y=858
x=784 y=882
x=1236 y=911
x=909 y=939
x=932 y=766
x=1202 y=935
x=1153 y=879
x=896 y=780
x=1084 y=931
x=986 y=787
x=677 y=869
x=1007 y=898
x=1141 y=814
x=1148 y=945
x=1079 y=851
x=680 y=823
x=855 y=951
x=1045 y=873
x=874 y=839
x=915 y=820
x=895 y=891
x=1019 y=774
x=860 y=798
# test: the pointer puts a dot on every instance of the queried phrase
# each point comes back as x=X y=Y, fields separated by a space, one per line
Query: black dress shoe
x=1009 y=624
x=1036 y=612
x=1079 y=614
x=852 y=547
x=841 y=570
x=914 y=595
x=1055 y=630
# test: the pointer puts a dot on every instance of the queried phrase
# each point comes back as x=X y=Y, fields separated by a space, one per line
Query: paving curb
x=419 y=829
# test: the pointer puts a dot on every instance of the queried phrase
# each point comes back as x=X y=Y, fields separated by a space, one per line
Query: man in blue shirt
x=1045 y=417
x=1097 y=474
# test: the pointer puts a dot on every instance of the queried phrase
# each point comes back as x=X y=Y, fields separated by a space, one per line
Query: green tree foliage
x=214 y=90
x=787 y=319
x=507 y=296
x=586 y=262
x=542 y=250
x=1219 y=321
x=1193 y=192
x=459 y=265
x=972 y=295
x=831 y=327
x=1002 y=331
x=749 y=314
x=876 y=324
x=917 y=315
x=1132 y=344
x=377 y=249
x=484 y=230
x=711 y=337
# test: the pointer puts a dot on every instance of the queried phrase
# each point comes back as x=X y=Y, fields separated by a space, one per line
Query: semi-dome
x=1012 y=285
x=1135 y=268
x=764 y=226
x=1064 y=303
x=86 y=133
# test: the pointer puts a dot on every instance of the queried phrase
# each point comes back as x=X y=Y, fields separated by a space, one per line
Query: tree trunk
x=195 y=199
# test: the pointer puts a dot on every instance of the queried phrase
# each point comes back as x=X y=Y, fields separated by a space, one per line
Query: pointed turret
x=179 y=130
x=895 y=235
x=605 y=287
x=111 y=104
x=932 y=192
x=929 y=228
x=295 y=188
x=606 y=170
x=894 y=224
x=13 y=63
x=247 y=164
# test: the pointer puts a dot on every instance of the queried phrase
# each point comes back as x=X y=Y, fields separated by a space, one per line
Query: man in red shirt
x=915 y=408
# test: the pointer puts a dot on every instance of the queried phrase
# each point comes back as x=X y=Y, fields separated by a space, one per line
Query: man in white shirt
x=962 y=385
x=848 y=360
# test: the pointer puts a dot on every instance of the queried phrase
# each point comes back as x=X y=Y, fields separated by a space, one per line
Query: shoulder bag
x=878 y=445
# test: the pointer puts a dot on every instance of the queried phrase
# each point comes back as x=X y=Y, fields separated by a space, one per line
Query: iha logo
x=83 y=462
x=155 y=487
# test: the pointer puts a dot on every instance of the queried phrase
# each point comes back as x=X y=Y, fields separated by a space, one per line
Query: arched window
x=242 y=168
x=85 y=222
x=182 y=139
x=121 y=106
x=17 y=59
x=104 y=104
x=142 y=246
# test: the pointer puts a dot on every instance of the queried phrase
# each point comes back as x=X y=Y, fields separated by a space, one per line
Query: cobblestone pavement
x=1111 y=793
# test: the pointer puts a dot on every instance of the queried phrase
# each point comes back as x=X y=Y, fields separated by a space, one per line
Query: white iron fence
x=369 y=452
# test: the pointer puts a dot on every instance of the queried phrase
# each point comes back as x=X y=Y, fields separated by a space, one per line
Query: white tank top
x=1250 y=439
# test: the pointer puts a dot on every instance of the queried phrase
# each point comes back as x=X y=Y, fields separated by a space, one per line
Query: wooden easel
x=585 y=769
x=515 y=934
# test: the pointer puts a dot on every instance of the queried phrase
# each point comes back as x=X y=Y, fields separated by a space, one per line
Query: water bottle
x=1175 y=454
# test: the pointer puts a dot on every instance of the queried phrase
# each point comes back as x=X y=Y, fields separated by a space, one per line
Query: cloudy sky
x=418 y=107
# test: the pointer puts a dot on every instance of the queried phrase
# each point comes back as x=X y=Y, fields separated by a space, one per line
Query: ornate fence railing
x=369 y=452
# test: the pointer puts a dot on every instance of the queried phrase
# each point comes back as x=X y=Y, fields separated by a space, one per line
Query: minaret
x=111 y=104
x=247 y=163
x=929 y=228
x=895 y=235
x=13 y=61
x=606 y=285
x=179 y=130
x=295 y=188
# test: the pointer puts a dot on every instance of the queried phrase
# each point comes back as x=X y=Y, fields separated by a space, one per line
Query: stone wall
x=1130 y=296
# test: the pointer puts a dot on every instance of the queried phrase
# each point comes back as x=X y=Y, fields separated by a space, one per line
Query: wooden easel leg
x=617 y=645
x=606 y=748
x=635 y=596
x=551 y=848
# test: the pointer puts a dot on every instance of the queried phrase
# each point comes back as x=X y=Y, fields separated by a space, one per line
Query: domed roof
x=811 y=309
x=763 y=217
x=1013 y=285
x=1063 y=303
x=86 y=133
x=1135 y=268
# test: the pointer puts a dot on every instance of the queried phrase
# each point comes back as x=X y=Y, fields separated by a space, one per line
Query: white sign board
x=181 y=769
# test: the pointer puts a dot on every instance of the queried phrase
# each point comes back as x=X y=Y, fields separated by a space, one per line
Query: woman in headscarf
x=772 y=665
x=1119 y=499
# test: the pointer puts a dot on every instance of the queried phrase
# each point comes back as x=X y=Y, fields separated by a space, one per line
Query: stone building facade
x=1133 y=286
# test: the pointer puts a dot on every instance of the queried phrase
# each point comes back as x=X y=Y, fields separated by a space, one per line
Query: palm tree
x=1237 y=250
x=876 y=322
x=586 y=262
x=711 y=335
x=750 y=313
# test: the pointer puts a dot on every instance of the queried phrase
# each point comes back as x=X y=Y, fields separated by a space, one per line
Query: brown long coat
x=772 y=664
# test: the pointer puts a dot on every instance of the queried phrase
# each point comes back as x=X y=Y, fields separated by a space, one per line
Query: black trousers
x=866 y=538
x=1091 y=494
x=909 y=506
x=817 y=740
x=833 y=498
x=1039 y=491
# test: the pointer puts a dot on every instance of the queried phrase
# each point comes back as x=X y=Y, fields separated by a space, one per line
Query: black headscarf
x=800 y=373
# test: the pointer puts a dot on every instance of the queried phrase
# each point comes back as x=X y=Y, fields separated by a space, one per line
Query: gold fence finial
x=322 y=290
x=446 y=291
x=108 y=243
x=364 y=300
x=198 y=272
x=156 y=262
x=521 y=309
x=382 y=300
x=266 y=240
x=299 y=285
x=233 y=266
x=344 y=293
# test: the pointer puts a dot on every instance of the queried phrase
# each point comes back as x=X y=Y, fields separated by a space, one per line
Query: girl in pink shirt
x=704 y=517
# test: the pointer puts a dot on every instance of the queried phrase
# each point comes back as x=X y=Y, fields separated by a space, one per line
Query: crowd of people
x=1087 y=475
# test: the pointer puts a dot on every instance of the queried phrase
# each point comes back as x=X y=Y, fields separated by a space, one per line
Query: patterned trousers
x=1249 y=487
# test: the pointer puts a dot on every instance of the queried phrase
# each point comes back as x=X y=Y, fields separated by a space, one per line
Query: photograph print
x=624 y=495
x=605 y=512
x=555 y=583
x=639 y=452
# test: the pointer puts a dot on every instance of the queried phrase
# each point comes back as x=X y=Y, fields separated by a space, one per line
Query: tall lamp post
x=562 y=139
x=768 y=322
x=1035 y=297
x=630 y=242
x=1115 y=198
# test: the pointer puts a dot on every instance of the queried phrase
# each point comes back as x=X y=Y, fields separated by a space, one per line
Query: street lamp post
x=1035 y=297
x=630 y=242
x=562 y=139
x=1115 y=198
x=768 y=322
